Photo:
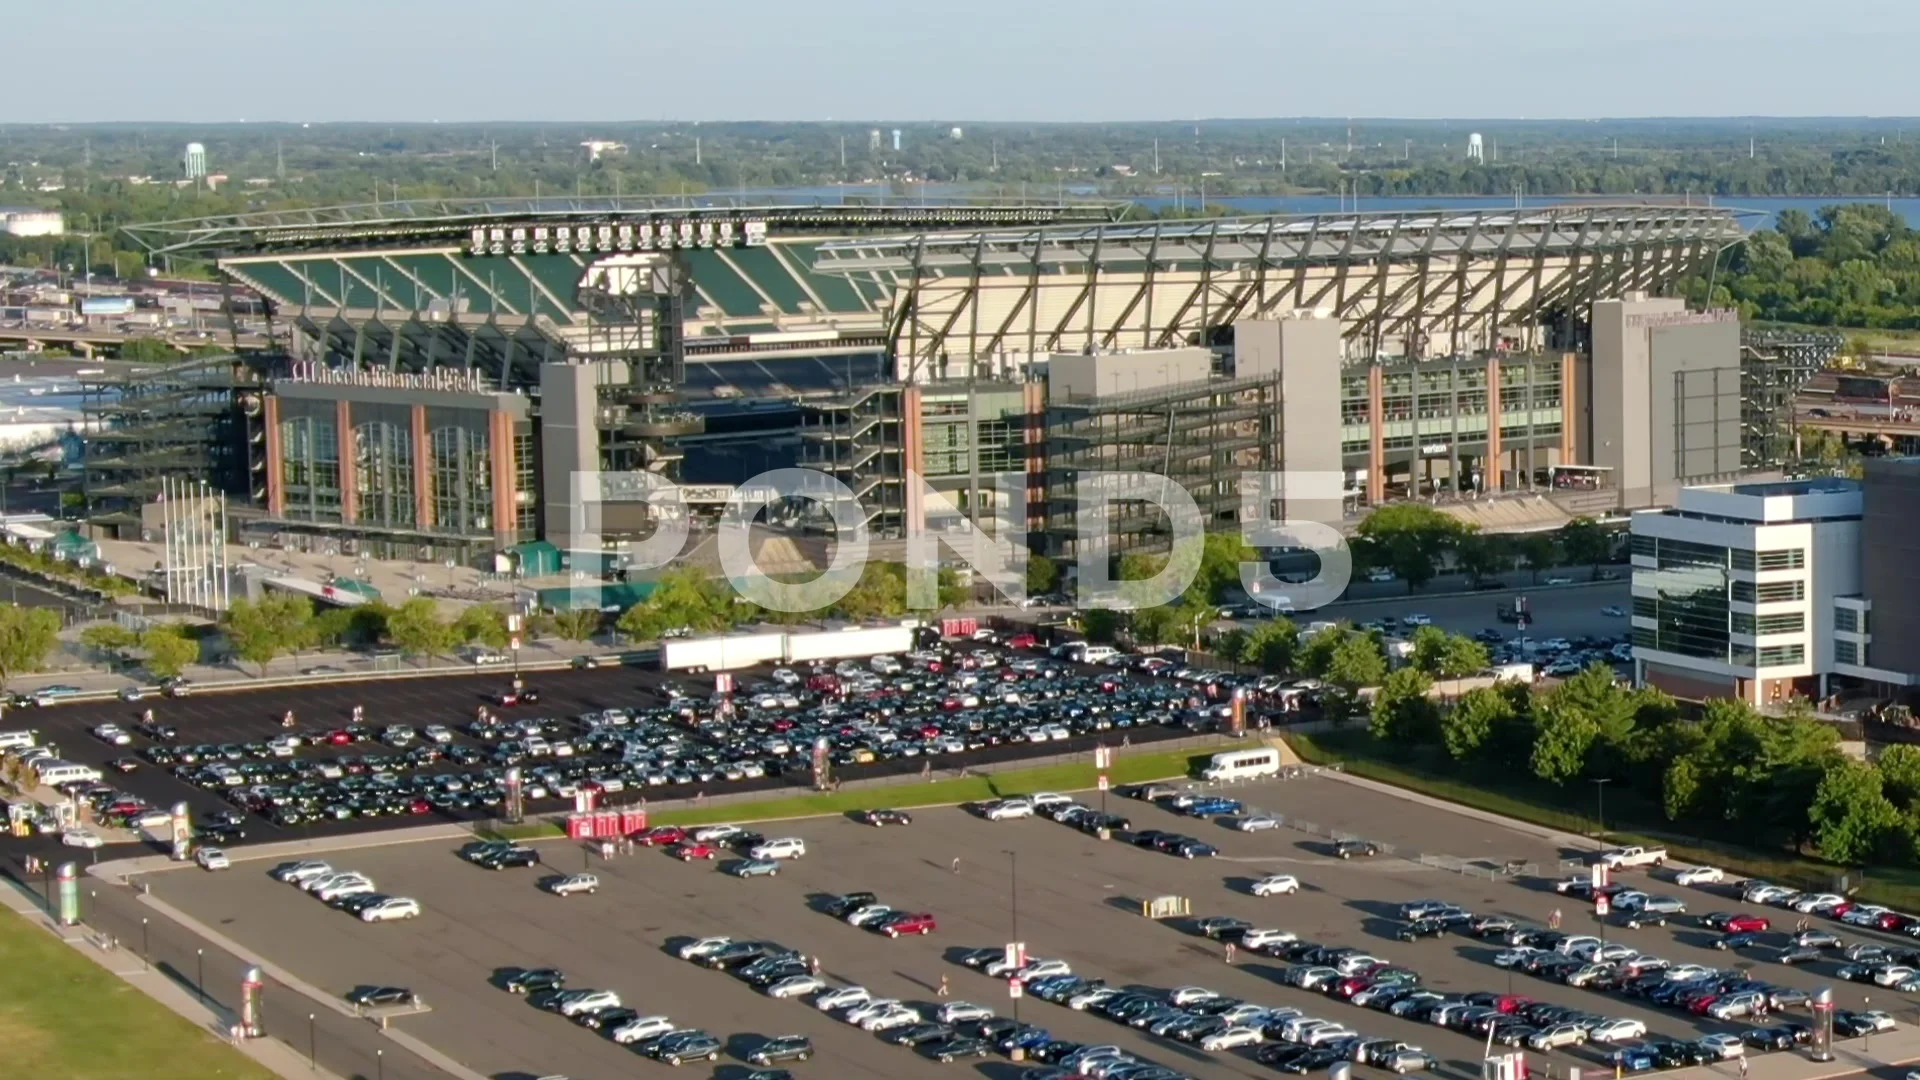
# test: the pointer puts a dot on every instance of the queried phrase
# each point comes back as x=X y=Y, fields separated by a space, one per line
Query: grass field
x=1130 y=769
x=1630 y=820
x=61 y=1015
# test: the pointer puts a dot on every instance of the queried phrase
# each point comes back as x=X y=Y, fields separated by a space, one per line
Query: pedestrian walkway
x=271 y=1054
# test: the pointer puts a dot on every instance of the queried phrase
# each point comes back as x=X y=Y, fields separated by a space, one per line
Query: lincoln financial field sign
x=999 y=558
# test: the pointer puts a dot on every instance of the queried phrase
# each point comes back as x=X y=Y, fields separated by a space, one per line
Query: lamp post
x=1013 y=908
x=313 y=1054
x=380 y=1064
x=1600 y=809
x=146 y=950
x=200 y=983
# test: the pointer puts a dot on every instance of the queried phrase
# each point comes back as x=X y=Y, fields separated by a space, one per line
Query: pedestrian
x=813 y=966
x=1553 y=920
x=956 y=864
x=1229 y=952
x=942 y=992
x=1743 y=1067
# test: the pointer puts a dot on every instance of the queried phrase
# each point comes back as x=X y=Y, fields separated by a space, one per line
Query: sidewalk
x=271 y=1054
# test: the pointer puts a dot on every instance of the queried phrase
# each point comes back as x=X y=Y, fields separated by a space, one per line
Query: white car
x=1513 y=956
x=959 y=1012
x=1182 y=996
x=394 y=907
x=1724 y=1046
x=82 y=838
x=1618 y=1031
x=1417 y=618
x=641 y=1029
x=1231 y=1038
x=1559 y=581
x=1041 y=969
x=437 y=733
x=1257 y=823
x=301 y=872
x=1320 y=1036
x=113 y=735
x=869 y=914
x=1008 y=808
x=590 y=1001
x=343 y=885
x=1254 y=940
x=575 y=883
x=1892 y=975
x=1276 y=885
x=873 y=1006
x=1555 y=1037
x=212 y=858
x=796 y=986
x=1047 y=800
x=846 y=997
x=694 y=950
x=1864 y=915
x=787 y=847
x=1765 y=894
x=893 y=1016
x=1808 y=903
x=716 y=834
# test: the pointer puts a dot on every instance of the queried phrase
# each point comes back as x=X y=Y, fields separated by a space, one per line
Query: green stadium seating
x=832 y=289
x=435 y=273
x=276 y=281
x=725 y=287
x=561 y=275
x=760 y=266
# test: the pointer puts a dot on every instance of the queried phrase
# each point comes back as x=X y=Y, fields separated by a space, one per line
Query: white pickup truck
x=1634 y=856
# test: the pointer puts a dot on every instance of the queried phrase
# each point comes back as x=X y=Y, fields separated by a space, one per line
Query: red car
x=1748 y=924
x=661 y=835
x=1023 y=641
x=524 y=696
x=908 y=924
x=689 y=850
x=339 y=738
x=1512 y=1003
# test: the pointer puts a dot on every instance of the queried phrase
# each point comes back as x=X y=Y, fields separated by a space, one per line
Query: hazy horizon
x=992 y=61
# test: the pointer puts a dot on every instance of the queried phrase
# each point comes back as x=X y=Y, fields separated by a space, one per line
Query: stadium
x=453 y=364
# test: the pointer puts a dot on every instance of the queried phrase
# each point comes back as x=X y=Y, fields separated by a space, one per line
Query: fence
x=113 y=918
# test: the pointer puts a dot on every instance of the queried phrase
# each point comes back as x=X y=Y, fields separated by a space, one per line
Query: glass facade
x=1849 y=620
x=526 y=483
x=383 y=474
x=310 y=468
x=1690 y=607
x=1746 y=592
x=462 y=479
x=1791 y=622
x=1847 y=652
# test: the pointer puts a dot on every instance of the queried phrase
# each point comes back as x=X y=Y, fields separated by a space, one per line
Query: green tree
x=481 y=624
x=1608 y=709
x=1562 y=736
x=418 y=630
x=577 y=624
x=1412 y=538
x=881 y=592
x=1680 y=789
x=1447 y=656
x=1585 y=541
x=1852 y=820
x=1480 y=556
x=1538 y=551
x=1356 y=662
x=1315 y=653
x=1101 y=626
x=1899 y=767
x=1220 y=559
x=147 y=350
x=1402 y=711
x=1043 y=575
x=1269 y=646
x=110 y=639
x=681 y=599
x=27 y=636
x=1471 y=722
x=169 y=650
x=256 y=631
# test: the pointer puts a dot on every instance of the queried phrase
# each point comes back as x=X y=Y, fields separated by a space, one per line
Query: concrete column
x=1377 y=435
x=422 y=470
x=912 y=429
x=500 y=425
x=276 y=460
x=1496 y=465
x=1569 y=443
x=349 y=476
x=1033 y=397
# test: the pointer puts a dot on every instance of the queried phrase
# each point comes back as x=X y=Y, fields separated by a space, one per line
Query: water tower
x=1476 y=148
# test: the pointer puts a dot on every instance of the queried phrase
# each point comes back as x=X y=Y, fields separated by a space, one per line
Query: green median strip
x=1132 y=769
x=62 y=1015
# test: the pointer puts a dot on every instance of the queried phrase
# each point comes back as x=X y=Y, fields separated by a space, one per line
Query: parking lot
x=1066 y=894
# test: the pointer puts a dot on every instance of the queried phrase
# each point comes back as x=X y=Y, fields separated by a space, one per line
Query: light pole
x=380 y=1064
x=146 y=950
x=1013 y=909
x=200 y=983
x=1600 y=809
x=313 y=1054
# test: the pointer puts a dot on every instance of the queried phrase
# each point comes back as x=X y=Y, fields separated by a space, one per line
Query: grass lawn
x=1630 y=819
x=62 y=1015
x=1130 y=769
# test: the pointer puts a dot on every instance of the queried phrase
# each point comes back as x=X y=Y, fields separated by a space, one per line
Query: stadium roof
x=1453 y=278
x=441 y=220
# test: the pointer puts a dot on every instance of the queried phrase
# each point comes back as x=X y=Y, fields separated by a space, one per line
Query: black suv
x=846 y=904
x=1349 y=849
x=1420 y=928
x=530 y=980
x=504 y=858
x=782 y=1048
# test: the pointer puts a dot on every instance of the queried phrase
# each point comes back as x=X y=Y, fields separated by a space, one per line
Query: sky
x=958 y=60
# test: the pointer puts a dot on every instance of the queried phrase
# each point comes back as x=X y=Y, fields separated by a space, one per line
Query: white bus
x=1243 y=764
